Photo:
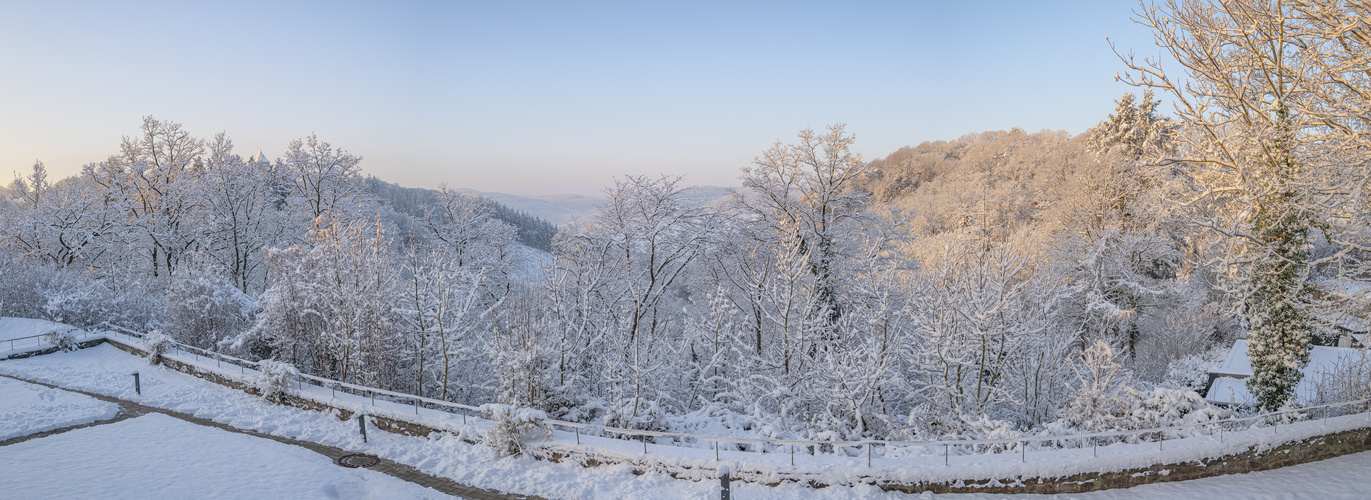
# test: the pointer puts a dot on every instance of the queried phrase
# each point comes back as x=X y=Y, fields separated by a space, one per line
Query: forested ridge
x=533 y=232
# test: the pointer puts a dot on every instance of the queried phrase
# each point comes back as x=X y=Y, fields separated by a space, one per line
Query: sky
x=537 y=98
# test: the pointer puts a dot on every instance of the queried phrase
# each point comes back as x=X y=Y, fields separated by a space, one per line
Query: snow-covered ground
x=104 y=369
x=157 y=456
x=28 y=409
x=13 y=328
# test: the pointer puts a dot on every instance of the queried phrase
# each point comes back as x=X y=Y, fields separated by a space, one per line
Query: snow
x=1335 y=478
x=105 y=369
x=157 y=456
x=13 y=328
x=1233 y=388
x=29 y=409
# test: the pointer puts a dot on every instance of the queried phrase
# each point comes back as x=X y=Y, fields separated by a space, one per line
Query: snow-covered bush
x=274 y=378
x=514 y=428
x=30 y=288
x=1162 y=407
x=155 y=344
x=1104 y=403
x=1192 y=371
x=202 y=307
x=645 y=415
x=1095 y=406
x=987 y=428
x=63 y=339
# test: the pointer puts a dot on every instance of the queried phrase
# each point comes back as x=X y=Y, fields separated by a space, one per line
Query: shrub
x=274 y=378
x=514 y=428
x=63 y=339
x=155 y=343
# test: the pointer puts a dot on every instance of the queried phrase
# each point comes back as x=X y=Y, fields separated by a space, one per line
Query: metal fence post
x=137 y=385
x=644 y=444
x=724 y=494
x=362 y=425
x=576 y=429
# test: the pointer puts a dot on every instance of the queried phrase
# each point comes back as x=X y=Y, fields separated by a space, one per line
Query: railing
x=335 y=385
x=43 y=336
x=1019 y=445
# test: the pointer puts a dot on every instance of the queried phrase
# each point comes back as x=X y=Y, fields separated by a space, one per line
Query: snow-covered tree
x=985 y=341
x=332 y=307
x=64 y=224
x=324 y=180
x=241 y=215
x=151 y=184
x=1266 y=101
x=804 y=191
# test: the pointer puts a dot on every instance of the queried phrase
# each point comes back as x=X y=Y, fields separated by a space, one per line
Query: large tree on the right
x=1274 y=105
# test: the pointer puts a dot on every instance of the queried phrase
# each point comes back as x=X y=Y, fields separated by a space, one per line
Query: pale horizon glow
x=554 y=97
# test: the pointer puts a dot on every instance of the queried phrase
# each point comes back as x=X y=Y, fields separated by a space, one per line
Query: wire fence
x=1020 y=445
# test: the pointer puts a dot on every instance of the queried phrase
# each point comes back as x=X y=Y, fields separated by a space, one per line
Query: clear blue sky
x=549 y=97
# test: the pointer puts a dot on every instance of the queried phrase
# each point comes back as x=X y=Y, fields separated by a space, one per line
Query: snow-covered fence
x=867 y=449
x=51 y=339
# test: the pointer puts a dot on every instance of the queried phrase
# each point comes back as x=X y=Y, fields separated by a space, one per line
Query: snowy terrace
x=156 y=456
x=106 y=370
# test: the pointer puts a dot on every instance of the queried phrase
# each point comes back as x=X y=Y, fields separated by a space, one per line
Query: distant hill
x=534 y=231
x=563 y=208
x=555 y=208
